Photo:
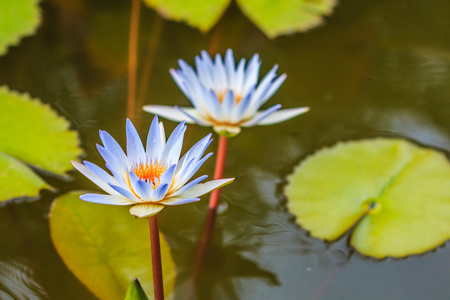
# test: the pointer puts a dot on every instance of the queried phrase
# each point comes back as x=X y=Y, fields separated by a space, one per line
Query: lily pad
x=395 y=193
x=105 y=247
x=17 y=180
x=286 y=16
x=18 y=18
x=202 y=14
x=32 y=132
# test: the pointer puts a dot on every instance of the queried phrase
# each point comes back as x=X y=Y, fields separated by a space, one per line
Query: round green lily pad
x=18 y=18
x=106 y=247
x=395 y=194
x=32 y=132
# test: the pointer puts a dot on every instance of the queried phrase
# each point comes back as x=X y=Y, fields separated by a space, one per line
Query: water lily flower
x=151 y=178
x=224 y=96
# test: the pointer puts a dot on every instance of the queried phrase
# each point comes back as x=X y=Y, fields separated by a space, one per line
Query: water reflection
x=17 y=281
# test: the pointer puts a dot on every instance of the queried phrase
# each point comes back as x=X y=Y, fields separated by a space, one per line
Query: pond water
x=375 y=68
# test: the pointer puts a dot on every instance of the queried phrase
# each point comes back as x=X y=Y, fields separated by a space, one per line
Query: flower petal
x=114 y=148
x=203 y=188
x=104 y=185
x=174 y=144
x=178 y=201
x=190 y=115
x=160 y=192
x=106 y=199
x=126 y=193
x=170 y=112
x=154 y=146
x=283 y=115
x=260 y=116
x=145 y=210
x=142 y=189
x=189 y=185
x=112 y=162
x=135 y=149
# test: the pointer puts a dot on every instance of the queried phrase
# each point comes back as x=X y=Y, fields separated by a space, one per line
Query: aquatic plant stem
x=218 y=172
x=158 y=287
x=212 y=208
x=132 y=57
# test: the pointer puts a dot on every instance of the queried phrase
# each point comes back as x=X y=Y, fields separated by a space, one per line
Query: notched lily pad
x=18 y=18
x=397 y=194
x=17 y=180
x=105 y=247
x=280 y=17
x=202 y=14
x=32 y=132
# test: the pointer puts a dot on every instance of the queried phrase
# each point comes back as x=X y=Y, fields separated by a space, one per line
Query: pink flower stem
x=213 y=204
x=158 y=287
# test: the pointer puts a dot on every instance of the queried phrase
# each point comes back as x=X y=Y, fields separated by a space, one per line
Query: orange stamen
x=220 y=96
x=146 y=171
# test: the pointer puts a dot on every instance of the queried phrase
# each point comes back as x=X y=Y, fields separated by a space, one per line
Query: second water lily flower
x=224 y=96
x=149 y=179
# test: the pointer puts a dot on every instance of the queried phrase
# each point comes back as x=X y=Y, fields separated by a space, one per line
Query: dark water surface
x=376 y=68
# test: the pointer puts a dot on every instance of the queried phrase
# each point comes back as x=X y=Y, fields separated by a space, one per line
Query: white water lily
x=224 y=96
x=151 y=178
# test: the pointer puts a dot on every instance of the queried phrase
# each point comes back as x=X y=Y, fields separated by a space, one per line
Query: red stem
x=132 y=57
x=218 y=172
x=156 y=258
x=213 y=204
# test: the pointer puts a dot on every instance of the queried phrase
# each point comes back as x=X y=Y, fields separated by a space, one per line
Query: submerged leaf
x=105 y=247
x=18 y=18
x=34 y=133
x=286 y=16
x=202 y=14
x=135 y=291
x=17 y=180
x=397 y=194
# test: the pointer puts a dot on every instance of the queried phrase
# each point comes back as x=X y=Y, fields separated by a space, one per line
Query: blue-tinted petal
x=160 y=192
x=203 y=188
x=114 y=148
x=106 y=199
x=252 y=73
x=189 y=185
x=125 y=192
x=272 y=89
x=135 y=149
x=111 y=161
x=104 y=185
x=283 y=115
x=261 y=116
x=154 y=148
x=99 y=172
x=174 y=144
x=178 y=201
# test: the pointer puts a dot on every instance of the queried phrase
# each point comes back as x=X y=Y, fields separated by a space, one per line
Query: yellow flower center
x=147 y=172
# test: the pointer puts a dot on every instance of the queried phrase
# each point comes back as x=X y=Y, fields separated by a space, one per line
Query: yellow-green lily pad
x=395 y=193
x=202 y=14
x=280 y=17
x=105 y=247
x=32 y=132
x=18 y=18
x=17 y=180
